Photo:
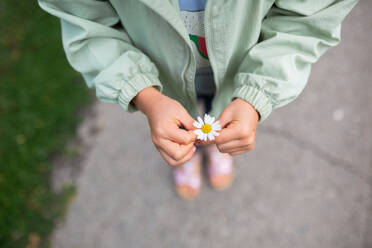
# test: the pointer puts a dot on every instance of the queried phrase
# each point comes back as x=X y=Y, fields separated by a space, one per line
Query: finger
x=237 y=153
x=170 y=161
x=238 y=143
x=235 y=149
x=230 y=133
x=175 y=150
x=181 y=136
x=187 y=121
x=234 y=144
x=246 y=148
x=225 y=118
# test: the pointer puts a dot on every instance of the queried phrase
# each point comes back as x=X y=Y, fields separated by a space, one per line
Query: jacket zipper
x=192 y=61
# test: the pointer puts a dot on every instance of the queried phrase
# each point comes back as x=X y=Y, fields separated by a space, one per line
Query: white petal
x=212 y=120
x=198 y=132
x=205 y=137
x=202 y=136
x=216 y=126
x=208 y=119
x=214 y=133
x=200 y=120
x=197 y=124
x=210 y=136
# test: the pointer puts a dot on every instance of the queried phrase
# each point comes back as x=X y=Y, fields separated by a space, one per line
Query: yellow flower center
x=206 y=128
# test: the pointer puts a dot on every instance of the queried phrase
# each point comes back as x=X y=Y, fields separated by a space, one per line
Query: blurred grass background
x=40 y=96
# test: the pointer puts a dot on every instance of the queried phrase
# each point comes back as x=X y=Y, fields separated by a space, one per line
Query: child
x=243 y=57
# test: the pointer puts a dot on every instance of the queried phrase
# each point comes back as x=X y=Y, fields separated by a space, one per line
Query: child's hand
x=165 y=116
x=239 y=122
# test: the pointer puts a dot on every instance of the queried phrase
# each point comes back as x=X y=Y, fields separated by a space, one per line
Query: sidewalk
x=306 y=184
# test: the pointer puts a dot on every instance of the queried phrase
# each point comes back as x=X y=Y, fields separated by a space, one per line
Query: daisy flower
x=208 y=128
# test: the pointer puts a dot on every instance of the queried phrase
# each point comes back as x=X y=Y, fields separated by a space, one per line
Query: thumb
x=192 y=135
x=187 y=121
x=225 y=118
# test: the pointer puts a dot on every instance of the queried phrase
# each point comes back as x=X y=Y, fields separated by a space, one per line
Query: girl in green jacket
x=244 y=58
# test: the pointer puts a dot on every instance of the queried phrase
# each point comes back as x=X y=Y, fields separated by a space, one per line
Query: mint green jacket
x=259 y=50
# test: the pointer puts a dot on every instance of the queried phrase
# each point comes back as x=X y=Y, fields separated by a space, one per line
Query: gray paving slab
x=306 y=184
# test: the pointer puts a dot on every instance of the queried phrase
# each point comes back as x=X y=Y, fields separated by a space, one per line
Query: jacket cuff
x=256 y=98
x=122 y=91
x=131 y=88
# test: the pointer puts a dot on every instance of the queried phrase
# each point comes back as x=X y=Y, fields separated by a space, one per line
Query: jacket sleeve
x=293 y=35
x=102 y=51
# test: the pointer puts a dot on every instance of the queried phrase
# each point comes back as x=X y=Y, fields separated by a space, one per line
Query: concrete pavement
x=306 y=184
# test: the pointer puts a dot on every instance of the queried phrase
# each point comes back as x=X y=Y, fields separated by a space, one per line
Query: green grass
x=39 y=98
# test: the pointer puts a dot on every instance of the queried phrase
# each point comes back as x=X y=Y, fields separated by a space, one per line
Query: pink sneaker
x=220 y=168
x=187 y=177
